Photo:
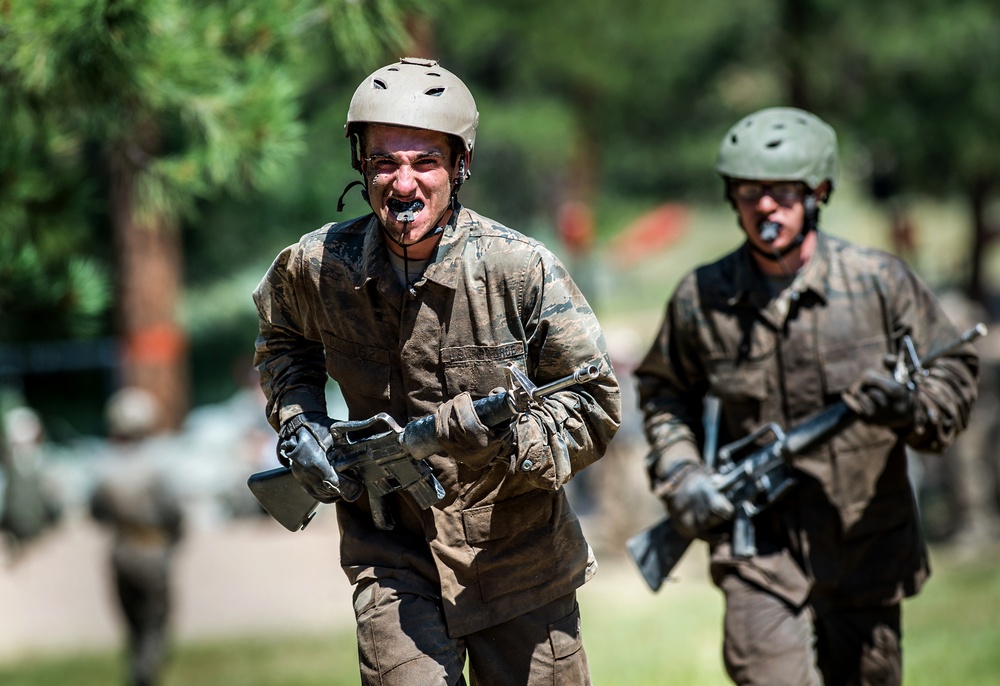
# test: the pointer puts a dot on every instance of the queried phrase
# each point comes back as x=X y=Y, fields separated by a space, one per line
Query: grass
x=633 y=638
x=950 y=631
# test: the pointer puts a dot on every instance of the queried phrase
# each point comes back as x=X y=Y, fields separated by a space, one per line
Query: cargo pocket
x=842 y=365
x=745 y=382
x=478 y=369
x=565 y=635
x=512 y=549
x=569 y=660
x=877 y=517
x=359 y=369
x=365 y=597
x=742 y=390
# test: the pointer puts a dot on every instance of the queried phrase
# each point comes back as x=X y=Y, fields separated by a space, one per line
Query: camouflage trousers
x=769 y=642
x=142 y=583
x=403 y=640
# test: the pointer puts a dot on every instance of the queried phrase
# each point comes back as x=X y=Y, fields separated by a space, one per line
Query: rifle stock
x=282 y=497
x=751 y=484
x=657 y=550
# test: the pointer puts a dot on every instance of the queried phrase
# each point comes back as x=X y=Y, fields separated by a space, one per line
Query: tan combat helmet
x=414 y=93
x=780 y=144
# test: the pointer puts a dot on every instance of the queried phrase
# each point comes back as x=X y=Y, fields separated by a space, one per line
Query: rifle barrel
x=818 y=428
x=968 y=336
x=582 y=375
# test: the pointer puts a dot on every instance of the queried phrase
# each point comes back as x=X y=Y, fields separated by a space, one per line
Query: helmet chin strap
x=352 y=184
x=406 y=217
x=769 y=232
x=463 y=172
x=408 y=211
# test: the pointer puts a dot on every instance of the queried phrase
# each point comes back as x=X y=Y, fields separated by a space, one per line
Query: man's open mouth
x=405 y=211
x=768 y=230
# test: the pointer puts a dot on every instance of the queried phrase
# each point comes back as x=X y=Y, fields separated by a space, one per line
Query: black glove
x=303 y=444
x=463 y=436
x=878 y=398
x=696 y=505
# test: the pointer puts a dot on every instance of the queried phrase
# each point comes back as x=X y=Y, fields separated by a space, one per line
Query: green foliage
x=650 y=85
x=917 y=83
x=191 y=95
x=59 y=299
x=168 y=103
x=198 y=98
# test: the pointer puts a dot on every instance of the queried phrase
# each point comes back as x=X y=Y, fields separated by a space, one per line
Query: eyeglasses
x=783 y=192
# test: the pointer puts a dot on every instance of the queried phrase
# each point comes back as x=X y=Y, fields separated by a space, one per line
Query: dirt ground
x=242 y=577
x=238 y=577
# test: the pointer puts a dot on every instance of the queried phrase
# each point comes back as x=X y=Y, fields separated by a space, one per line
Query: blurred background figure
x=27 y=509
x=135 y=499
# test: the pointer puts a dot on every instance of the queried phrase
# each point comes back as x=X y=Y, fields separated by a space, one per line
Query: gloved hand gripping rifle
x=394 y=459
x=752 y=477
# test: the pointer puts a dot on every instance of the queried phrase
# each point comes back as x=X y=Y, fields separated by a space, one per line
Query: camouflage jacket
x=136 y=498
x=504 y=540
x=849 y=531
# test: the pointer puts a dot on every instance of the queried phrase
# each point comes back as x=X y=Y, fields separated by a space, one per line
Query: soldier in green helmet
x=791 y=322
x=414 y=309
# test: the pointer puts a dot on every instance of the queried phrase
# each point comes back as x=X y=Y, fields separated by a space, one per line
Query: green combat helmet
x=418 y=94
x=780 y=143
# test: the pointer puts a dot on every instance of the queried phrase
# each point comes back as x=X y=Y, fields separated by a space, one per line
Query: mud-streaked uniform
x=504 y=540
x=848 y=534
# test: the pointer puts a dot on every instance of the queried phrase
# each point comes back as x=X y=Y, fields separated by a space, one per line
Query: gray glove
x=878 y=398
x=696 y=505
x=303 y=445
x=462 y=435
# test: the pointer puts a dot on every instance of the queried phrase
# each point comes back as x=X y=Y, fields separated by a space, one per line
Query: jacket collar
x=748 y=285
x=443 y=269
x=373 y=260
x=450 y=255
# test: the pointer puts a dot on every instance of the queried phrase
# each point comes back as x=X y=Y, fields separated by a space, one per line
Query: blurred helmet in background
x=131 y=413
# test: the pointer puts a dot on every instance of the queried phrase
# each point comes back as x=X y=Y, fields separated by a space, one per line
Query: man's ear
x=464 y=167
x=822 y=192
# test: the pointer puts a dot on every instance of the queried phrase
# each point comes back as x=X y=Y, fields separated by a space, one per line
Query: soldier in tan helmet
x=414 y=309
x=791 y=322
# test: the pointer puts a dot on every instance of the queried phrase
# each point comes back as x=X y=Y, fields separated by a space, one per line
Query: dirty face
x=409 y=174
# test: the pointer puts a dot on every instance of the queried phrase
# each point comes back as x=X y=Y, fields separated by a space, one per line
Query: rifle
x=753 y=477
x=394 y=459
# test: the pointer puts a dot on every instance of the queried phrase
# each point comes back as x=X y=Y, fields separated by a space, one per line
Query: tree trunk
x=575 y=222
x=153 y=347
x=982 y=235
x=422 y=38
x=796 y=20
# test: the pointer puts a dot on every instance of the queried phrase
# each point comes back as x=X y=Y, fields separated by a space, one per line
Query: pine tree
x=145 y=107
